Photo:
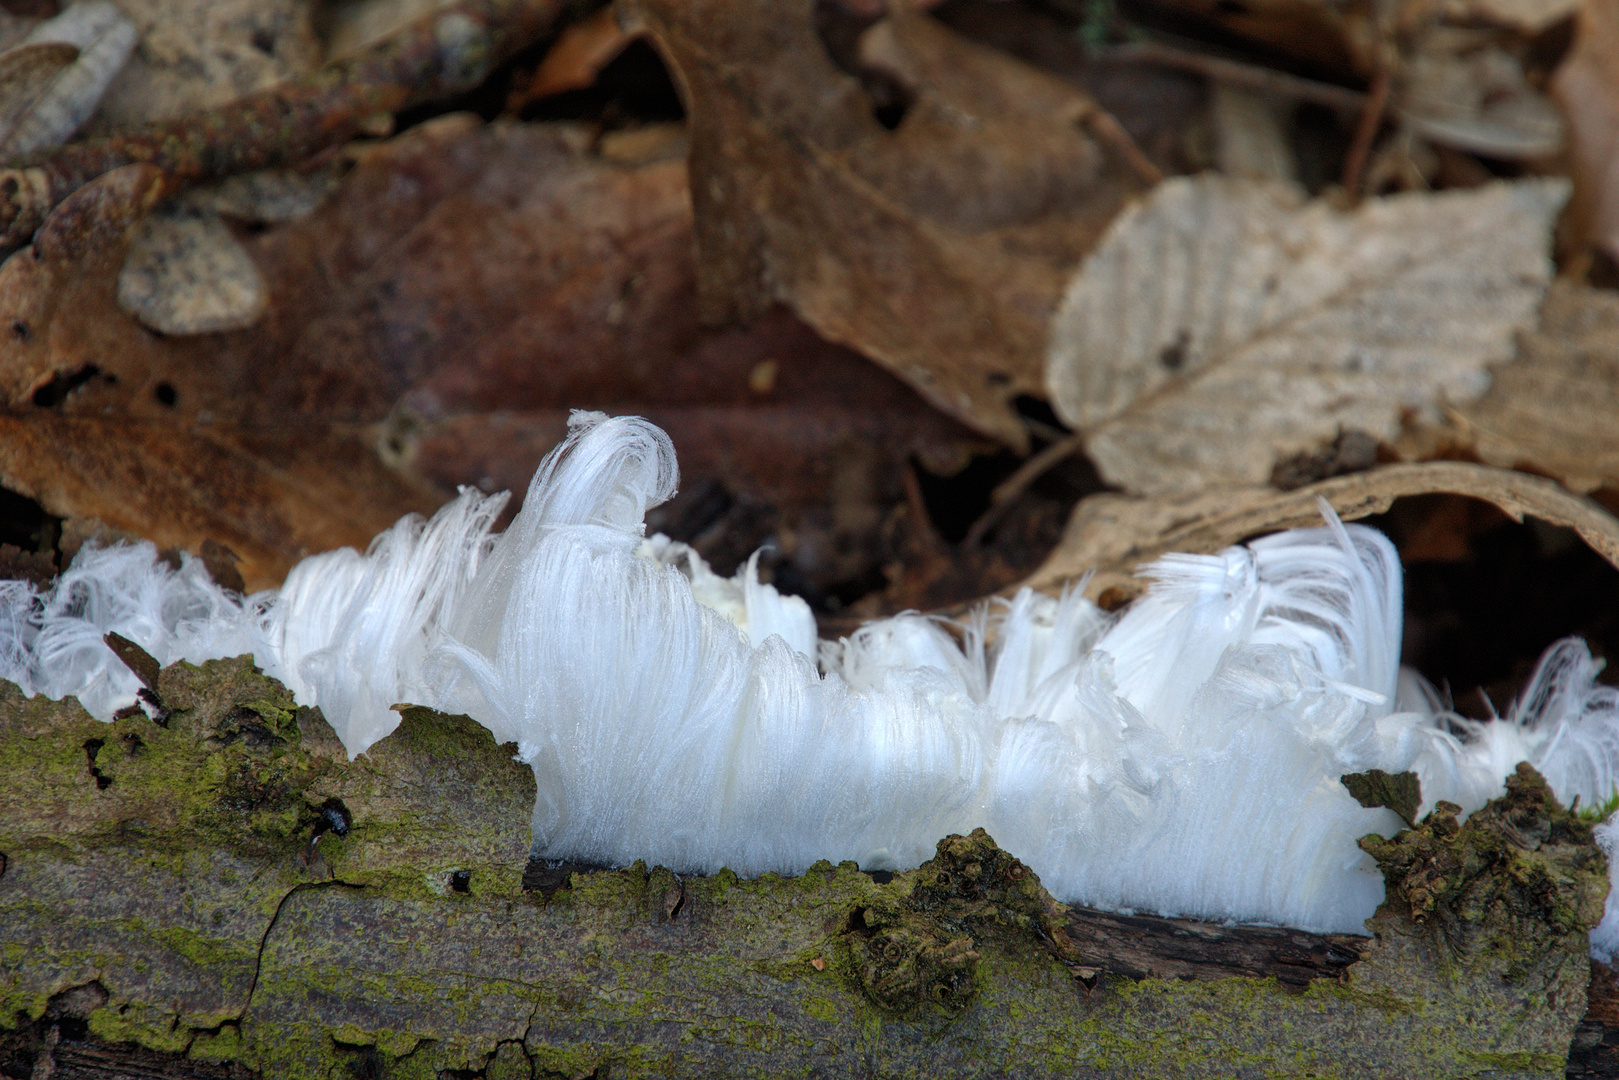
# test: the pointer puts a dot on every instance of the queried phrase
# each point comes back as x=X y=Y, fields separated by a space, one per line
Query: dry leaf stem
x=1001 y=499
x=1366 y=128
x=449 y=52
x=1102 y=127
x=1235 y=73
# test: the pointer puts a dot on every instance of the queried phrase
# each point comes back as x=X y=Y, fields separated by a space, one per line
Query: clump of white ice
x=1182 y=758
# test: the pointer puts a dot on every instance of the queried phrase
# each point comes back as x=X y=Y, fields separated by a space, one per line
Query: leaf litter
x=936 y=248
x=404 y=340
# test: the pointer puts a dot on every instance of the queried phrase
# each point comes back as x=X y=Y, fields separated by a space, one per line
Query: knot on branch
x=1516 y=877
x=920 y=950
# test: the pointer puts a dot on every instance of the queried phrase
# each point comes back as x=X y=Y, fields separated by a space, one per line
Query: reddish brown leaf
x=86 y=432
x=463 y=288
x=1587 y=86
x=578 y=56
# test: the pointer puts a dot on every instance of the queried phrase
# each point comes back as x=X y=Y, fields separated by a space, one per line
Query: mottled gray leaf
x=186 y=274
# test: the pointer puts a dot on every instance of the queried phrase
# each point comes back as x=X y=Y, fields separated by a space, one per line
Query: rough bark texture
x=224 y=894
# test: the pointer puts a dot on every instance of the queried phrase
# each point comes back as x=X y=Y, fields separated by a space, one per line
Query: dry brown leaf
x=938 y=248
x=272 y=495
x=580 y=53
x=1555 y=408
x=1587 y=87
x=461 y=289
x=277 y=498
x=1114 y=535
x=1221 y=326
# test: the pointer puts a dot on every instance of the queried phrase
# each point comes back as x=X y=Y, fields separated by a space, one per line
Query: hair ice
x=1182 y=757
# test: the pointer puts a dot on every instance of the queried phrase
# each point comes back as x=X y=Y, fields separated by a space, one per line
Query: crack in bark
x=264 y=939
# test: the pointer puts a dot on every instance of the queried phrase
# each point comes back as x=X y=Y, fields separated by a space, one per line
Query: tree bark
x=220 y=892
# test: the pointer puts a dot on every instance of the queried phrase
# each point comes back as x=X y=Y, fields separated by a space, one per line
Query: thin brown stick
x=1236 y=73
x=1366 y=128
x=1009 y=489
x=1109 y=132
x=918 y=506
x=448 y=52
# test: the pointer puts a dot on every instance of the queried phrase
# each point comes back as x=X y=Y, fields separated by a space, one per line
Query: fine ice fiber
x=1182 y=757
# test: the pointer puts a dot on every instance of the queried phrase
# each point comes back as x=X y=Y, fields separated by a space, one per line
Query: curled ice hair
x=1182 y=757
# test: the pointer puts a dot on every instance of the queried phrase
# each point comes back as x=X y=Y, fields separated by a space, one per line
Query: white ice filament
x=1181 y=758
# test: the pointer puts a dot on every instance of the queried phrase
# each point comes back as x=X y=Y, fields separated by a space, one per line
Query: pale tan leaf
x=1555 y=409
x=186 y=274
x=1115 y=535
x=102 y=38
x=1221 y=326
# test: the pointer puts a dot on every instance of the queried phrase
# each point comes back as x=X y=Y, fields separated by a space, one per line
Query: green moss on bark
x=190 y=875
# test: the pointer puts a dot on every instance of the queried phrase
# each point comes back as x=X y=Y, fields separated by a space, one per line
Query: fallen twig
x=1366 y=128
x=1236 y=73
x=449 y=52
x=1009 y=489
x=1108 y=131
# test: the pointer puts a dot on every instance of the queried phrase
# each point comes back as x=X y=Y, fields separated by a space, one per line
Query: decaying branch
x=448 y=52
x=225 y=893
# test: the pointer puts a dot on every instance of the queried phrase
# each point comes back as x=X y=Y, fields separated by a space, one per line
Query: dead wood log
x=208 y=887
